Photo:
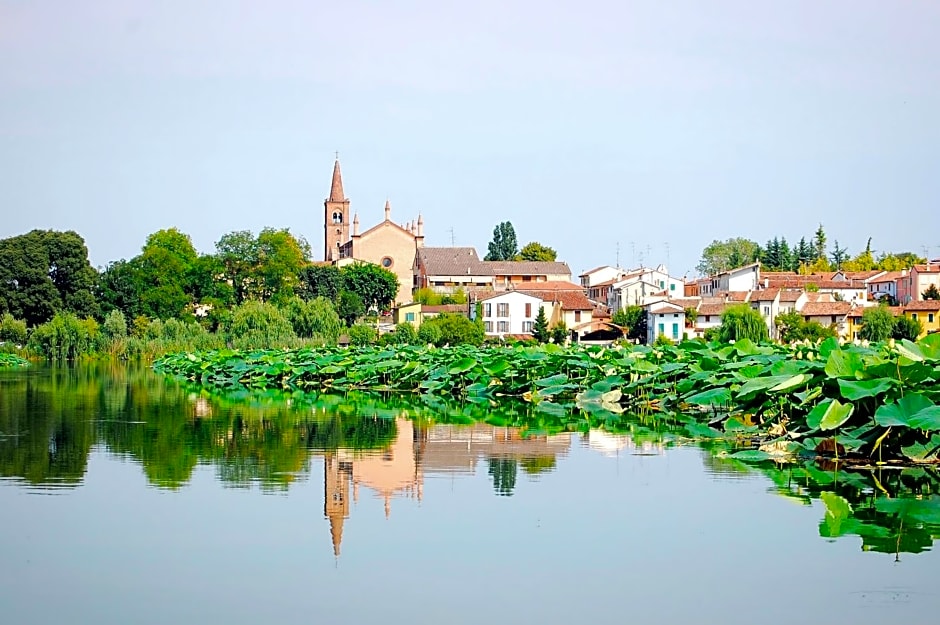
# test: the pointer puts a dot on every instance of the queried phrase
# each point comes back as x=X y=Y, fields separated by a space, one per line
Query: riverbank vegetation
x=865 y=404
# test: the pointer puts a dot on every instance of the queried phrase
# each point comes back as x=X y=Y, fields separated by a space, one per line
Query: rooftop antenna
x=633 y=251
x=451 y=236
x=667 y=253
x=618 y=253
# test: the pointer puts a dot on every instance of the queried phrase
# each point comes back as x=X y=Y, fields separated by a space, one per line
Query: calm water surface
x=127 y=498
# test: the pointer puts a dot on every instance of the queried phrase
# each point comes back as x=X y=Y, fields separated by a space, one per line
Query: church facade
x=386 y=244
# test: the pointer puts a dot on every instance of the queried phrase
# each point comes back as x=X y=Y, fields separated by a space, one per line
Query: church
x=386 y=244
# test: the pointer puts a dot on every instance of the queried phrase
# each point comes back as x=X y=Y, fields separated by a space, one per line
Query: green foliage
x=877 y=324
x=430 y=297
x=907 y=328
x=899 y=260
x=558 y=332
x=791 y=326
x=362 y=334
x=742 y=322
x=259 y=325
x=819 y=243
x=375 y=285
x=721 y=256
x=451 y=329
x=662 y=340
x=165 y=268
x=349 y=306
x=316 y=319
x=64 y=337
x=540 y=327
x=504 y=245
x=839 y=255
x=10 y=360
x=12 y=330
x=777 y=256
x=403 y=334
x=633 y=320
x=317 y=280
x=535 y=251
x=932 y=293
x=44 y=272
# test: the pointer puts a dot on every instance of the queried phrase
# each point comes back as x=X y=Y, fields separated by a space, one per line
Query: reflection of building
x=611 y=444
x=399 y=470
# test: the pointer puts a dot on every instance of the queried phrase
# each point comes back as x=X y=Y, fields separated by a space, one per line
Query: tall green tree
x=721 y=256
x=740 y=321
x=540 y=327
x=633 y=320
x=375 y=286
x=44 y=272
x=504 y=245
x=907 y=328
x=819 y=243
x=535 y=251
x=877 y=324
x=281 y=256
x=165 y=265
x=119 y=288
x=932 y=292
x=839 y=255
x=319 y=280
x=238 y=253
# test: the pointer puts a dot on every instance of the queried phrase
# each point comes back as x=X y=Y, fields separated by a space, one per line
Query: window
x=672 y=287
x=914 y=316
x=577 y=315
x=766 y=311
x=502 y=326
x=387 y=262
x=708 y=318
x=502 y=310
x=929 y=317
x=527 y=326
x=662 y=284
x=528 y=309
x=409 y=316
x=662 y=315
x=675 y=315
x=488 y=327
x=675 y=331
x=337 y=218
x=487 y=310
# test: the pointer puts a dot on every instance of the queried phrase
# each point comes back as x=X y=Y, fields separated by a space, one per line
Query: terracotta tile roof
x=790 y=295
x=569 y=300
x=862 y=275
x=451 y=261
x=707 y=310
x=927 y=268
x=825 y=309
x=739 y=296
x=596 y=269
x=491 y=294
x=665 y=307
x=891 y=276
x=765 y=295
x=925 y=305
x=686 y=302
x=526 y=268
x=550 y=285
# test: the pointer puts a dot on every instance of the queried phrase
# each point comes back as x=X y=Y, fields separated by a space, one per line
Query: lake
x=129 y=498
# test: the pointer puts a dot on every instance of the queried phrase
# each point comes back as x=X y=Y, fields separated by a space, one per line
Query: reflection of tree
x=503 y=471
x=534 y=465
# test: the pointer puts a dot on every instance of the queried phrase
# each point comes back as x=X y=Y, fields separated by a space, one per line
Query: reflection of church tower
x=336 y=476
x=335 y=217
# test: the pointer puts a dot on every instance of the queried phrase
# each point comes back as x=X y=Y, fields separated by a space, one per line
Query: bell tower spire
x=335 y=216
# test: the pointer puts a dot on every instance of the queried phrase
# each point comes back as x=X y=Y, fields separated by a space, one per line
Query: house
x=604 y=273
x=508 y=312
x=509 y=273
x=920 y=277
x=446 y=269
x=925 y=311
x=766 y=302
x=709 y=315
x=407 y=313
x=564 y=304
x=664 y=319
x=828 y=314
x=639 y=286
x=885 y=285
x=744 y=278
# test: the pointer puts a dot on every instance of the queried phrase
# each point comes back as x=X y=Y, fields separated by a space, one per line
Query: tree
x=165 y=265
x=865 y=261
x=898 y=261
x=316 y=280
x=559 y=333
x=504 y=245
x=375 y=286
x=839 y=255
x=742 y=322
x=907 y=328
x=238 y=253
x=259 y=325
x=43 y=272
x=504 y=472
x=349 y=306
x=316 y=319
x=537 y=252
x=931 y=293
x=819 y=243
x=540 y=327
x=721 y=256
x=877 y=324
x=803 y=254
x=451 y=329
x=280 y=259
x=362 y=334
x=633 y=321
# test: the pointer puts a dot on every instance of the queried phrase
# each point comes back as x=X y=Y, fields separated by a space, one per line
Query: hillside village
x=508 y=294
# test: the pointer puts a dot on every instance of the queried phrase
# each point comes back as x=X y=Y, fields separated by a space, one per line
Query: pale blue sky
x=586 y=124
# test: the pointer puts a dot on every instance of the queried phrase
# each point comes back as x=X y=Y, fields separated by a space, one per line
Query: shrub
x=259 y=325
x=742 y=322
x=877 y=324
x=12 y=330
x=64 y=337
x=362 y=334
x=451 y=329
x=907 y=328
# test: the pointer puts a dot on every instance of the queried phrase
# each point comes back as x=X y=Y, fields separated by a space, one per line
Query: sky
x=613 y=131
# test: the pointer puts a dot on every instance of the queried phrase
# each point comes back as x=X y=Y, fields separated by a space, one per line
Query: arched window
x=337 y=218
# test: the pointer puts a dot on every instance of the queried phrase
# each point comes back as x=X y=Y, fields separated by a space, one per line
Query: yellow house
x=927 y=312
x=408 y=313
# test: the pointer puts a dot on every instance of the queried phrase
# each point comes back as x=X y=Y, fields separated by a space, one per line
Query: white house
x=744 y=278
x=664 y=319
x=885 y=285
x=641 y=286
x=509 y=312
x=597 y=275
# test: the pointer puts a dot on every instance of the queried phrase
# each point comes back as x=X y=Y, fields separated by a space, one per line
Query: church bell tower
x=335 y=217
